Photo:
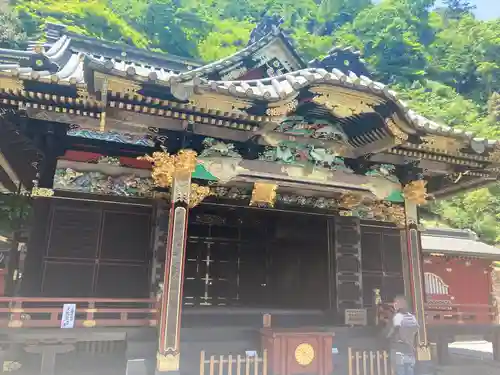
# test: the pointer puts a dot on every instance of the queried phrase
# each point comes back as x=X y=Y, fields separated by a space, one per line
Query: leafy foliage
x=443 y=61
x=11 y=32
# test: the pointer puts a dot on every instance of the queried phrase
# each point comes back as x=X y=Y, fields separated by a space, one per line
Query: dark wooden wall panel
x=381 y=262
x=61 y=279
x=89 y=249
x=111 y=279
x=74 y=233
x=124 y=235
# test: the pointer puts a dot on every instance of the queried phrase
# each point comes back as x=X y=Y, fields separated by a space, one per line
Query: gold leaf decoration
x=416 y=192
x=350 y=200
x=263 y=194
x=385 y=211
x=282 y=110
x=441 y=143
x=342 y=102
x=185 y=161
x=400 y=136
x=165 y=165
x=218 y=103
x=183 y=164
x=11 y=84
x=42 y=192
x=197 y=194
x=163 y=168
x=123 y=86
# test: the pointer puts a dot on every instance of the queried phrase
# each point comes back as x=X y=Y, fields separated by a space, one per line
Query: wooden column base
x=496 y=346
x=167 y=364
x=424 y=362
x=443 y=353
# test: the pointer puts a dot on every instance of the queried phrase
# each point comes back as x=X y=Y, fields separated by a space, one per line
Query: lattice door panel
x=347 y=241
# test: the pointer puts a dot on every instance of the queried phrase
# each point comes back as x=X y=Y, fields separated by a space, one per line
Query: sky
x=487 y=9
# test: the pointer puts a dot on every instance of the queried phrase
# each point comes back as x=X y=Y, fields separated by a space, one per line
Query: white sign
x=68 y=315
x=251 y=353
x=356 y=317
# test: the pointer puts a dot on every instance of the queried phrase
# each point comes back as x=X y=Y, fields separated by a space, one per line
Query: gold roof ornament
x=165 y=168
x=416 y=192
x=197 y=194
x=185 y=161
x=165 y=165
x=263 y=194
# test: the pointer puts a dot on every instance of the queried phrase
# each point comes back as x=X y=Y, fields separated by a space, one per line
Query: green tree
x=11 y=31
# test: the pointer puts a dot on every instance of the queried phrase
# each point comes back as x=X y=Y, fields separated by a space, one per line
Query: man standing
x=403 y=335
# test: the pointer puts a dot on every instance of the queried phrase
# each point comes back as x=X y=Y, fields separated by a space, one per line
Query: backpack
x=409 y=328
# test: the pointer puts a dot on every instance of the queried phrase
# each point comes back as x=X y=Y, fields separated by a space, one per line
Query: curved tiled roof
x=288 y=85
x=457 y=241
x=69 y=55
x=66 y=51
x=238 y=56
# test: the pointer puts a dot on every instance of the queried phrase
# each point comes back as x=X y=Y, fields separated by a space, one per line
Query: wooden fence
x=98 y=312
x=237 y=365
x=369 y=362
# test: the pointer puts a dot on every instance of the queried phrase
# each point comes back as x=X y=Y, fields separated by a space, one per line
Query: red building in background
x=459 y=285
x=457 y=267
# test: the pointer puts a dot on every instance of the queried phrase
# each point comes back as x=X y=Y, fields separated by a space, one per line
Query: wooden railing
x=98 y=312
x=460 y=314
x=238 y=364
x=449 y=314
x=368 y=362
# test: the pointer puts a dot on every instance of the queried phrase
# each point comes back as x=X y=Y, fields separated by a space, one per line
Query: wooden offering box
x=298 y=351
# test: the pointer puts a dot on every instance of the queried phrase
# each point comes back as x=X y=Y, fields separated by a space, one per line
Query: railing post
x=16 y=310
x=89 y=321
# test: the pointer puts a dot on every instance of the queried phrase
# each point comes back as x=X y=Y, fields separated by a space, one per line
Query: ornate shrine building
x=181 y=208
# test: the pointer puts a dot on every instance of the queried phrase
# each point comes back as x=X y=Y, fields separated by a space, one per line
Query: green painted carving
x=396 y=197
x=221 y=160
x=314 y=128
x=202 y=174
x=299 y=154
x=110 y=160
x=214 y=147
x=99 y=183
x=383 y=170
x=384 y=184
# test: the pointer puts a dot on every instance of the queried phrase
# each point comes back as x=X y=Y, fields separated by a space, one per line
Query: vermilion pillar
x=416 y=289
x=168 y=356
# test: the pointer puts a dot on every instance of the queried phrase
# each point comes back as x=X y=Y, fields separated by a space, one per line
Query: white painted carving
x=434 y=285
